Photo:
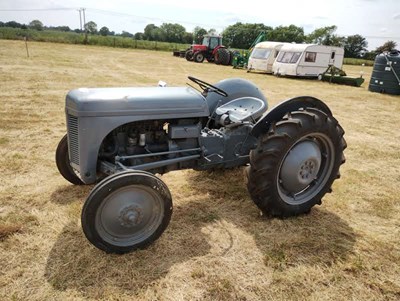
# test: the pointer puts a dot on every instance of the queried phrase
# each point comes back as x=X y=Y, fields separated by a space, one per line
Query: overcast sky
x=377 y=20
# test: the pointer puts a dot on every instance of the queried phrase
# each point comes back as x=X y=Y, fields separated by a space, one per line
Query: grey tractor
x=120 y=138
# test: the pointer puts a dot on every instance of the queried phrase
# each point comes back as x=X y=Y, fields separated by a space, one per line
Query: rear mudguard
x=286 y=106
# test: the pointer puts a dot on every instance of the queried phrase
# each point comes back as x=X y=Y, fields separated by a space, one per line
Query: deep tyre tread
x=266 y=160
x=222 y=56
x=111 y=185
x=63 y=164
x=225 y=57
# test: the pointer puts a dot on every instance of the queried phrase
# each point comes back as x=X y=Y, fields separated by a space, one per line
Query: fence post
x=26 y=45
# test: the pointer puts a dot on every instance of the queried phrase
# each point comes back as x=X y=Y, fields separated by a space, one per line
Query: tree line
x=239 y=35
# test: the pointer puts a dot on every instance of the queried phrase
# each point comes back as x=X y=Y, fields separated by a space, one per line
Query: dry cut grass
x=217 y=246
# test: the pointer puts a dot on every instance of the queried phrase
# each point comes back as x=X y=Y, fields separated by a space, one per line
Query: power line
x=114 y=13
x=38 y=9
x=107 y=12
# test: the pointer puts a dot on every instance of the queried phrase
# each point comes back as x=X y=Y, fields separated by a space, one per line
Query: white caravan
x=307 y=60
x=263 y=56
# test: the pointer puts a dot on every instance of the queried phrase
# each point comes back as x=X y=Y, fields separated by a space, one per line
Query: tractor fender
x=216 y=49
x=286 y=106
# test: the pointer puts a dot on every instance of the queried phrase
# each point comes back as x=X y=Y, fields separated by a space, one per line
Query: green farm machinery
x=241 y=58
x=338 y=76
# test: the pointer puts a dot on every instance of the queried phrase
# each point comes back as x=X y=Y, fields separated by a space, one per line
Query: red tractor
x=211 y=49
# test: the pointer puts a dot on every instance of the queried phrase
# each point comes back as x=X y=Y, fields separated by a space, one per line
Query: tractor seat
x=240 y=110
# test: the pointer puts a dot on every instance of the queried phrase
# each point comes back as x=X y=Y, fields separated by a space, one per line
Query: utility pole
x=80 y=17
x=84 y=17
x=84 y=25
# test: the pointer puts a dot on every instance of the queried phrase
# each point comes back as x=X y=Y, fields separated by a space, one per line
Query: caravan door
x=332 y=57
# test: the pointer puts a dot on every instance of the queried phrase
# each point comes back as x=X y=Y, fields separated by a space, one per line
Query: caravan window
x=260 y=53
x=295 y=57
x=310 y=57
x=288 y=57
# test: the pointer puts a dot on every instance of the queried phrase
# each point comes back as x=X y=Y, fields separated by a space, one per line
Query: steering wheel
x=208 y=87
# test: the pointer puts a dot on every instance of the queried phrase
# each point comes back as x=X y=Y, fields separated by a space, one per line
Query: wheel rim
x=306 y=168
x=129 y=215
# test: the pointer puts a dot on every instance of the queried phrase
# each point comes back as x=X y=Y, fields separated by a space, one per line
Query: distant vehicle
x=263 y=56
x=211 y=49
x=307 y=60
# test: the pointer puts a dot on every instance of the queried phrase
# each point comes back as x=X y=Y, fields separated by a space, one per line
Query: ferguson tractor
x=120 y=138
x=211 y=49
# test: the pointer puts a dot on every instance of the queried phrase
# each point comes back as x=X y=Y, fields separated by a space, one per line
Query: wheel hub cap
x=130 y=216
x=300 y=167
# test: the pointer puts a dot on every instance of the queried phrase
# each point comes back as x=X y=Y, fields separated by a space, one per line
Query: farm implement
x=338 y=76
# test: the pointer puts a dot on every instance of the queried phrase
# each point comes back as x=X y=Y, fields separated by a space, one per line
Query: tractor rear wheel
x=198 y=57
x=296 y=163
x=222 y=56
x=189 y=55
x=63 y=164
x=126 y=211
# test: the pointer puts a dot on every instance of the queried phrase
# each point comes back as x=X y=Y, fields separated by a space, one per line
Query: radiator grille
x=73 y=139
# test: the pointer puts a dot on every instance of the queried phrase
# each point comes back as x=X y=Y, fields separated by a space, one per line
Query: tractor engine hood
x=144 y=101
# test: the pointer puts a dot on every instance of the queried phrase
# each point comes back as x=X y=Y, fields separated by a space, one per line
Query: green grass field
x=217 y=246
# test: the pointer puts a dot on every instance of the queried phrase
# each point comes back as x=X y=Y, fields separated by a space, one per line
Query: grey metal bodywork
x=93 y=113
x=99 y=111
x=236 y=88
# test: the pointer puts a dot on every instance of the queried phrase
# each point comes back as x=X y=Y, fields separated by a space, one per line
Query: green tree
x=104 y=31
x=13 y=24
x=61 y=28
x=355 y=46
x=198 y=33
x=188 y=38
x=387 y=46
x=36 y=24
x=324 y=36
x=242 y=35
x=126 y=34
x=150 y=32
x=289 y=34
x=139 y=36
x=91 y=27
x=173 y=32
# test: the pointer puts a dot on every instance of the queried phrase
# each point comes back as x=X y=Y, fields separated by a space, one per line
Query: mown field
x=53 y=36
x=217 y=246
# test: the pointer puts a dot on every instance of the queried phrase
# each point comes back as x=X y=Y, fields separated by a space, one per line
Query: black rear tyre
x=222 y=56
x=126 y=211
x=63 y=164
x=296 y=163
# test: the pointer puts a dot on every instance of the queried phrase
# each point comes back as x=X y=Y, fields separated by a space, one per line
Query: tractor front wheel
x=296 y=162
x=198 y=57
x=126 y=211
x=63 y=164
